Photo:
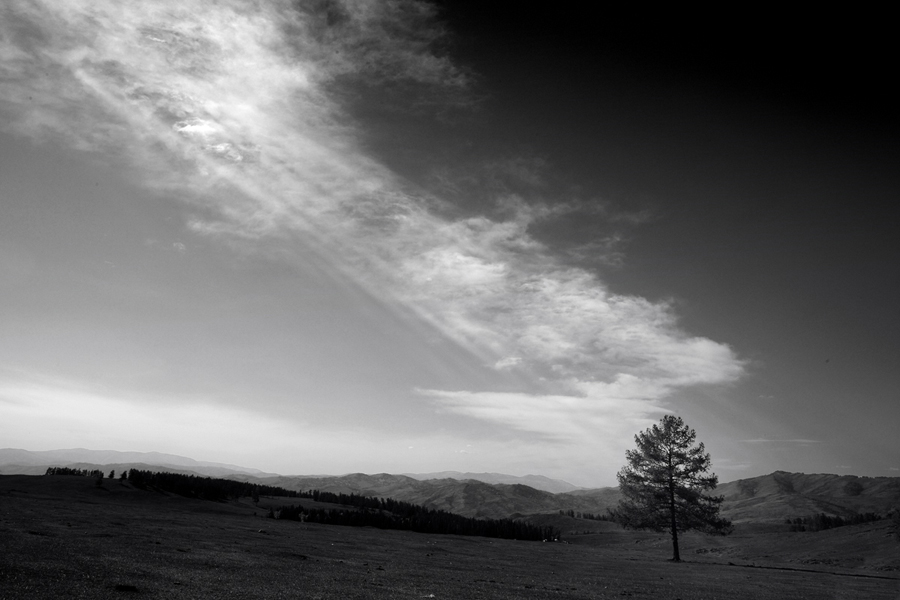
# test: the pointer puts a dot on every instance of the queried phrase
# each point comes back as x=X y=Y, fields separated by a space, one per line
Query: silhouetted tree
x=664 y=481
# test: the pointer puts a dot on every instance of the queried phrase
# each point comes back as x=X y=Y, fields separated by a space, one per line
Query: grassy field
x=63 y=537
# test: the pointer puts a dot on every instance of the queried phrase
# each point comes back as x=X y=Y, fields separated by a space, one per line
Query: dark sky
x=767 y=148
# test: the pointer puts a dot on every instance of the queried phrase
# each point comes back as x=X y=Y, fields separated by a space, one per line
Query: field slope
x=63 y=536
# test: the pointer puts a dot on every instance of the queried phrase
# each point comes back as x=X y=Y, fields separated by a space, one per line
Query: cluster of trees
x=355 y=500
x=385 y=513
x=97 y=473
x=585 y=515
x=821 y=521
x=204 y=488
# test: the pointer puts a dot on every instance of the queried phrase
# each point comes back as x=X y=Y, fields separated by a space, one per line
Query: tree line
x=586 y=515
x=386 y=513
x=70 y=471
x=204 y=488
x=821 y=521
x=367 y=511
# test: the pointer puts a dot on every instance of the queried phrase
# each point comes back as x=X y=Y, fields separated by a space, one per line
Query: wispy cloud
x=52 y=412
x=777 y=441
x=238 y=109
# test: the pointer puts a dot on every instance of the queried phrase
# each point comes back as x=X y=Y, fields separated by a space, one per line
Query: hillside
x=15 y=461
x=769 y=498
x=780 y=495
x=469 y=498
x=538 y=482
x=765 y=499
x=66 y=537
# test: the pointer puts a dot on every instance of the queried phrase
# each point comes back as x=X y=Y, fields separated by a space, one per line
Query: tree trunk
x=676 y=556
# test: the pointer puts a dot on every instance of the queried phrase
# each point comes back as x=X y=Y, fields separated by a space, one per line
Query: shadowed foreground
x=64 y=537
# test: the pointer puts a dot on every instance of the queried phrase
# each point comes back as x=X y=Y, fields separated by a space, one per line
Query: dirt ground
x=62 y=537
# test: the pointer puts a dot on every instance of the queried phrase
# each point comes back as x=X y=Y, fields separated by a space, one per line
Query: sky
x=334 y=236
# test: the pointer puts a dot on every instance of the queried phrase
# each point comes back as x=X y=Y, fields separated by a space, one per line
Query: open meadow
x=64 y=537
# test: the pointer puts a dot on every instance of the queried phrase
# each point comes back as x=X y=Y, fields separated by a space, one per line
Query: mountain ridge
x=770 y=498
x=32 y=460
x=538 y=482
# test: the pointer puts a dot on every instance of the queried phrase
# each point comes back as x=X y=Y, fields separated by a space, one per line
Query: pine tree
x=664 y=481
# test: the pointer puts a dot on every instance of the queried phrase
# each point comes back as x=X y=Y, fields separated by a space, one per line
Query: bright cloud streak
x=52 y=412
x=231 y=107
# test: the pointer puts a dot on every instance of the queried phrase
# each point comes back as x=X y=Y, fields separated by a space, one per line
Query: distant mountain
x=467 y=497
x=28 y=462
x=768 y=498
x=538 y=482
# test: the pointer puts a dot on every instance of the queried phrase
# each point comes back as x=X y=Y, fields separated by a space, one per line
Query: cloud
x=507 y=363
x=771 y=441
x=53 y=412
x=557 y=418
x=240 y=110
x=732 y=465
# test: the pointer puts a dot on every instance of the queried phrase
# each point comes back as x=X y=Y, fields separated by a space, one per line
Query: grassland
x=63 y=537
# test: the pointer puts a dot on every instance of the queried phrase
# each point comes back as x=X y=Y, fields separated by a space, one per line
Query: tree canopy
x=664 y=482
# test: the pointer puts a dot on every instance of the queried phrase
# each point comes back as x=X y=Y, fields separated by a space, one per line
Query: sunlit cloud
x=236 y=109
x=554 y=418
x=507 y=363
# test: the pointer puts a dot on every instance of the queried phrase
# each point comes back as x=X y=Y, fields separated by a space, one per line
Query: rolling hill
x=781 y=495
x=538 y=482
x=30 y=462
x=768 y=499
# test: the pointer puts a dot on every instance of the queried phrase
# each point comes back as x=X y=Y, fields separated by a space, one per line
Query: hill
x=468 y=497
x=765 y=499
x=782 y=495
x=15 y=461
x=66 y=537
x=538 y=482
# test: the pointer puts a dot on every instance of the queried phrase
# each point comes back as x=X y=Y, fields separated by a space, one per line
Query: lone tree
x=664 y=481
